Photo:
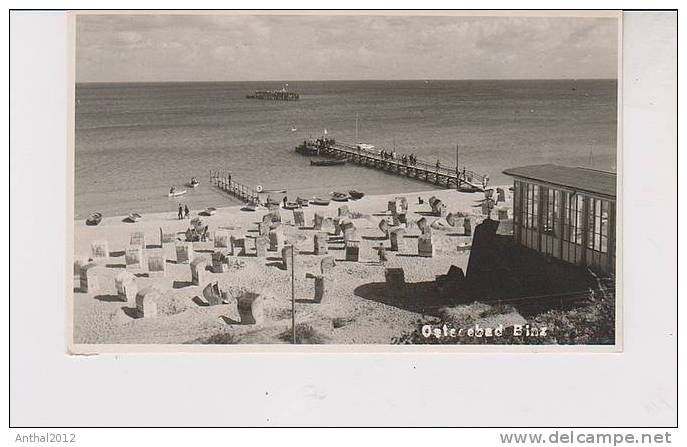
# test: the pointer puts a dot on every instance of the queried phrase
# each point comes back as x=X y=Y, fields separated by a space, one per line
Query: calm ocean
x=135 y=140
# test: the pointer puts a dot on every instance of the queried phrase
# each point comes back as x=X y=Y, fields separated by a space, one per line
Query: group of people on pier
x=410 y=160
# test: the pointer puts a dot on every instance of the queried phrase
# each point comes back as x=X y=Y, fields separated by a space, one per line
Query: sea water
x=136 y=140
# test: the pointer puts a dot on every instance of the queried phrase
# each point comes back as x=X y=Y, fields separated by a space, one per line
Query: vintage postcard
x=366 y=181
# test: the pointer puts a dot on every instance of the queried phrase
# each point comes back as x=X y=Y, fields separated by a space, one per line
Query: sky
x=156 y=48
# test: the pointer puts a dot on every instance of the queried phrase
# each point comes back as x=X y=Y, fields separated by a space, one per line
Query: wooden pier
x=223 y=181
x=436 y=173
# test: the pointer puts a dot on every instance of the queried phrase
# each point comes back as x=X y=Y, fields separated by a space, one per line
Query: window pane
x=535 y=205
x=548 y=211
x=566 y=216
x=556 y=204
x=516 y=202
x=605 y=206
x=590 y=223
x=579 y=208
x=604 y=218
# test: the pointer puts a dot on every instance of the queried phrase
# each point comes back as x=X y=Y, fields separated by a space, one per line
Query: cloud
x=161 y=47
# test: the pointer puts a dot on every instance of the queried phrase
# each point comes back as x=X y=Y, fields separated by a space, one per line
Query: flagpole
x=356 y=127
x=457 y=169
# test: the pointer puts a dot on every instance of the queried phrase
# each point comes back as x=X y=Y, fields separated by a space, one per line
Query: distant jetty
x=275 y=95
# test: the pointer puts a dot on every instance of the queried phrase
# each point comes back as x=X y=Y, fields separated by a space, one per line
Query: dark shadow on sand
x=228 y=320
x=420 y=297
x=108 y=298
x=115 y=266
x=132 y=312
x=197 y=300
x=278 y=264
x=375 y=238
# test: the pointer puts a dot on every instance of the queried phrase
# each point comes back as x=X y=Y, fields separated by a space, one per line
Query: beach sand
x=355 y=309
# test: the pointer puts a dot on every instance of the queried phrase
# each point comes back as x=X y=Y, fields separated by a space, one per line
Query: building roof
x=581 y=179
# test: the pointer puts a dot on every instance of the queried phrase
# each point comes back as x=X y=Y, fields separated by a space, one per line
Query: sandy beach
x=355 y=308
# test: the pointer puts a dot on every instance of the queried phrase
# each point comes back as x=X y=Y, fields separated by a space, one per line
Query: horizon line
x=346 y=80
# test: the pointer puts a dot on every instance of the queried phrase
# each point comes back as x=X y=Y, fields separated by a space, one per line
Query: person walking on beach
x=381 y=251
x=285 y=200
x=186 y=211
x=181 y=212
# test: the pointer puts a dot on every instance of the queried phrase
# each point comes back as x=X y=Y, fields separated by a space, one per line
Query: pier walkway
x=436 y=173
x=223 y=181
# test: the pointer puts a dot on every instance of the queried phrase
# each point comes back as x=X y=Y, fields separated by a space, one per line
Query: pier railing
x=439 y=173
x=224 y=181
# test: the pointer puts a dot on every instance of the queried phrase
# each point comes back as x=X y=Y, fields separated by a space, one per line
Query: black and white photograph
x=399 y=179
x=363 y=220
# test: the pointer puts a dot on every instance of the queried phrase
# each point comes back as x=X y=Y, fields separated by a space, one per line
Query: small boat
x=209 y=211
x=193 y=183
x=176 y=193
x=304 y=149
x=327 y=162
x=134 y=217
x=249 y=207
x=319 y=201
x=302 y=202
x=293 y=129
x=94 y=219
x=340 y=197
x=355 y=195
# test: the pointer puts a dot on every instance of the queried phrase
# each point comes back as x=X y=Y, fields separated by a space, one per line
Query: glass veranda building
x=568 y=213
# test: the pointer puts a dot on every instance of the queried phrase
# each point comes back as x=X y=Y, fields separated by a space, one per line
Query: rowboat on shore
x=209 y=211
x=249 y=207
x=355 y=195
x=134 y=217
x=327 y=162
x=340 y=197
x=94 y=219
x=319 y=201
